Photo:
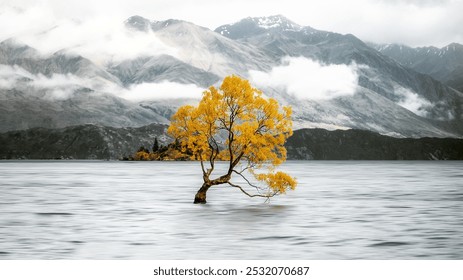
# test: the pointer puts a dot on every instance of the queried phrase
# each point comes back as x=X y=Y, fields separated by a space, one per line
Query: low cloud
x=413 y=102
x=56 y=87
x=9 y=76
x=411 y=22
x=308 y=79
x=63 y=86
x=101 y=39
x=60 y=86
x=162 y=90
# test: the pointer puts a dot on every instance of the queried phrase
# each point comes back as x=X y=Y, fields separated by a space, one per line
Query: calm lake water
x=144 y=210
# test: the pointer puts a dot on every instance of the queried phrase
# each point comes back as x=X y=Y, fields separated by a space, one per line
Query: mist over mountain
x=331 y=80
x=161 y=68
x=399 y=87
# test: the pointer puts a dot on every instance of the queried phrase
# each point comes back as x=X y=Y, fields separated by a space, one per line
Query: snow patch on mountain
x=277 y=21
x=304 y=78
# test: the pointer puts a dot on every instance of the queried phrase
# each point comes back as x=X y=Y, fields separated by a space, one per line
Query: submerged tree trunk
x=200 y=196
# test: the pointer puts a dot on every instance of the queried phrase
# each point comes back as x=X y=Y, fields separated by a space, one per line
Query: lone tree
x=236 y=124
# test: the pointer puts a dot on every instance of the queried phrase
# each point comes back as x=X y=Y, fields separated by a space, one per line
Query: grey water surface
x=144 y=210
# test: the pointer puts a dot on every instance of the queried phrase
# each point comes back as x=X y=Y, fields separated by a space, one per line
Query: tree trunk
x=200 y=196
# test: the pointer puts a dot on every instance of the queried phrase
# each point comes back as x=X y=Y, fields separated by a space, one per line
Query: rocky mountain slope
x=161 y=68
x=443 y=64
x=287 y=61
x=61 y=90
x=378 y=75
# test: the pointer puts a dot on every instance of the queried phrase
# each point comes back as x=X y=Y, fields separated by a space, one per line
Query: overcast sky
x=411 y=22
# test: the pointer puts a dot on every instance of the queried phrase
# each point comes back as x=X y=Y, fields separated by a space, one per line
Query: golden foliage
x=142 y=155
x=278 y=182
x=169 y=154
x=236 y=122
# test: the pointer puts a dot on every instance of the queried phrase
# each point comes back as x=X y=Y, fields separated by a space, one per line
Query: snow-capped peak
x=276 y=21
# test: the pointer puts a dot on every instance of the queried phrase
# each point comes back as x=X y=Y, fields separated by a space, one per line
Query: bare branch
x=268 y=196
x=247 y=181
x=249 y=166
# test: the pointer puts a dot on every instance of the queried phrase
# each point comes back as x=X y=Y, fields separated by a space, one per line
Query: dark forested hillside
x=320 y=144
x=99 y=142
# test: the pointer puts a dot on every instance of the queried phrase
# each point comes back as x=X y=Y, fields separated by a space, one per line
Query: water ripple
x=54 y=214
x=389 y=244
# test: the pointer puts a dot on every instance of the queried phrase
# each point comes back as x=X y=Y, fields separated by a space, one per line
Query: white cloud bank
x=56 y=87
x=413 y=102
x=308 y=79
x=101 y=39
x=161 y=91
x=9 y=76
x=63 y=86
x=412 y=22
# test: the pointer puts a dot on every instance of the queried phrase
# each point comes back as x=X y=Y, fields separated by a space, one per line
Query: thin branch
x=247 y=181
x=268 y=196
x=249 y=166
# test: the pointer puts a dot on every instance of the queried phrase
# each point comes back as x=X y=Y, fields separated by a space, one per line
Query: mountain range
x=443 y=64
x=331 y=80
